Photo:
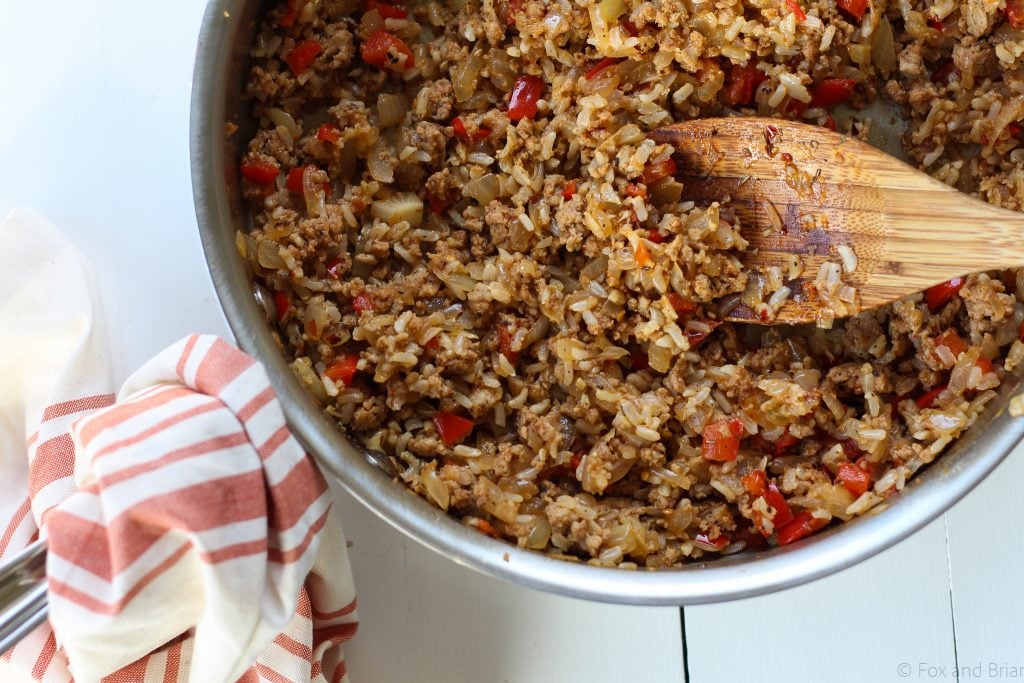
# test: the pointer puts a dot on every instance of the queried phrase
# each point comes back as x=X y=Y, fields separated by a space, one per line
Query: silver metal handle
x=23 y=602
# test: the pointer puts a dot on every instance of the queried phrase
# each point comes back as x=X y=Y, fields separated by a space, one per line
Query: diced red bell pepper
x=722 y=440
x=460 y=130
x=830 y=122
x=303 y=54
x=438 y=204
x=803 y=525
x=946 y=73
x=328 y=132
x=797 y=10
x=569 y=191
x=526 y=92
x=641 y=254
x=291 y=13
x=294 y=182
x=486 y=528
x=743 y=81
x=513 y=8
x=362 y=303
x=784 y=443
x=754 y=483
x=783 y=515
x=853 y=478
x=505 y=343
x=894 y=406
x=750 y=537
x=1015 y=13
x=850 y=448
x=719 y=542
x=681 y=305
x=654 y=236
x=576 y=459
x=986 y=365
x=334 y=269
x=386 y=51
x=656 y=170
x=927 y=399
x=282 y=304
x=634 y=190
x=832 y=91
x=452 y=429
x=864 y=462
x=695 y=338
x=952 y=341
x=796 y=108
x=260 y=171
x=343 y=369
x=385 y=10
x=939 y=295
x=593 y=71
x=855 y=8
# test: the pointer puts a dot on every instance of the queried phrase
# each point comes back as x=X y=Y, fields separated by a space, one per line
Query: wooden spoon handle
x=802 y=190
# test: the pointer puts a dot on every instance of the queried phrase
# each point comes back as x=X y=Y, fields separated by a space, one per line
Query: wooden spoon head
x=800 y=192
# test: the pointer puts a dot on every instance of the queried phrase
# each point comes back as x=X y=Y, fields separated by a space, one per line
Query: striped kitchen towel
x=190 y=538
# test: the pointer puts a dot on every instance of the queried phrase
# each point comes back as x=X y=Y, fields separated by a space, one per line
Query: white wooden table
x=95 y=105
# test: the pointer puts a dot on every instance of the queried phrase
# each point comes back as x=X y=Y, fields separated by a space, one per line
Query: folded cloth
x=190 y=538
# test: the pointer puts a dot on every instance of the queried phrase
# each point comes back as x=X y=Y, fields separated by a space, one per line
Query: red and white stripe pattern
x=55 y=369
x=189 y=534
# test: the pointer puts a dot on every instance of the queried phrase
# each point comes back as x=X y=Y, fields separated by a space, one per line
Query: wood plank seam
x=686 y=653
x=952 y=603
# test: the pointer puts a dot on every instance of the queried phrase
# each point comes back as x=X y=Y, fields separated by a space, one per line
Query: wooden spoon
x=805 y=190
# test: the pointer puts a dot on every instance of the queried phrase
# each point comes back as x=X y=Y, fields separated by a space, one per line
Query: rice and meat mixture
x=487 y=273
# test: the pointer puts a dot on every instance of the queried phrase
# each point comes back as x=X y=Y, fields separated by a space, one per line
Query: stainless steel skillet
x=220 y=69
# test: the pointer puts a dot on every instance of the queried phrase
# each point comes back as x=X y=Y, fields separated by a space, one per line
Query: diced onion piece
x=316 y=317
x=303 y=369
x=279 y=117
x=611 y=10
x=539 y=535
x=883 y=50
x=1011 y=112
x=595 y=269
x=378 y=166
x=537 y=332
x=1017 y=406
x=404 y=206
x=860 y=54
x=268 y=254
x=659 y=358
x=483 y=189
x=391 y=109
x=501 y=71
x=435 y=488
x=464 y=75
